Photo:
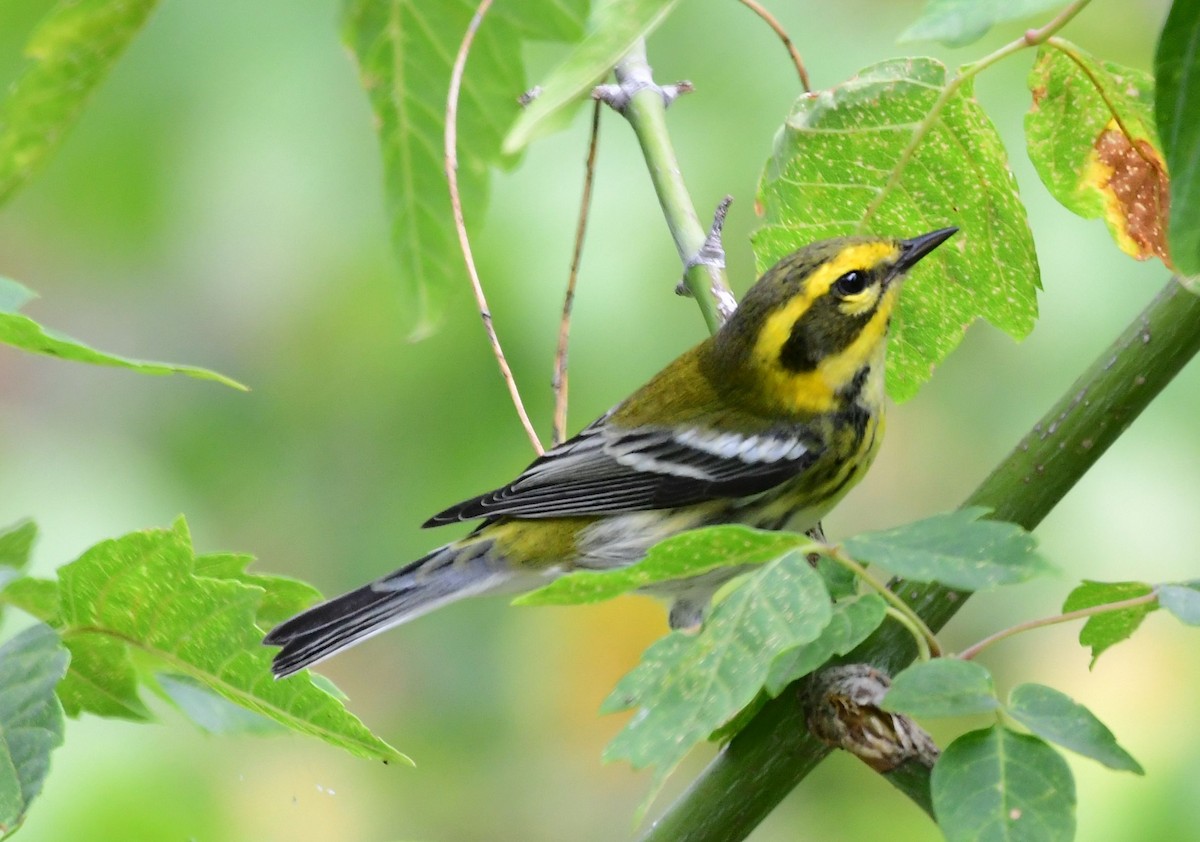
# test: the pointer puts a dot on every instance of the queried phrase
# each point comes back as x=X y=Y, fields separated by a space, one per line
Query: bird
x=768 y=423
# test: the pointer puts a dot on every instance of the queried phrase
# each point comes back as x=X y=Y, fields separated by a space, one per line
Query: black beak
x=913 y=250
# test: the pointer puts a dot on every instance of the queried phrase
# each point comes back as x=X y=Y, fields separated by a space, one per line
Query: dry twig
x=451 y=159
x=559 y=382
x=770 y=21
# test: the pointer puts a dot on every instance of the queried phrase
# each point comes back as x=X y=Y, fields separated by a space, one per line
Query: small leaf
x=618 y=24
x=102 y=679
x=1176 y=104
x=1090 y=134
x=957 y=23
x=999 y=785
x=688 y=685
x=211 y=712
x=843 y=163
x=36 y=597
x=1182 y=600
x=1104 y=630
x=142 y=590
x=942 y=687
x=678 y=557
x=852 y=622
x=1055 y=717
x=70 y=52
x=25 y=334
x=405 y=50
x=31 y=718
x=16 y=542
x=956 y=549
x=282 y=598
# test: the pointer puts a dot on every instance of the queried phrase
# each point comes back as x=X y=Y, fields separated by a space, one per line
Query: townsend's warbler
x=768 y=423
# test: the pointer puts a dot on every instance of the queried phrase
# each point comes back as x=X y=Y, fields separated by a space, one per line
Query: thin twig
x=559 y=383
x=451 y=160
x=770 y=21
x=1133 y=602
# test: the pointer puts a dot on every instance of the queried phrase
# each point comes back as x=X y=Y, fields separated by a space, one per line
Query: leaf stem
x=927 y=641
x=1031 y=38
x=1079 y=614
x=646 y=112
x=559 y=382
x=450 y=157
x=923 y=650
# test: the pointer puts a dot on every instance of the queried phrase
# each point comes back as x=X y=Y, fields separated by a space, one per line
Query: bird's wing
x=609 y=470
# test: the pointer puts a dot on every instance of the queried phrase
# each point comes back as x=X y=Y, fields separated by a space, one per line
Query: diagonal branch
x=775 y=752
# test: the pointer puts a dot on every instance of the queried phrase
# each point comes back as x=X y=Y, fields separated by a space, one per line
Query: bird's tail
x=447 y=574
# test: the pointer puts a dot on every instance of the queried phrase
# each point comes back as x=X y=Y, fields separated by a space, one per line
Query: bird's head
x=815 y=324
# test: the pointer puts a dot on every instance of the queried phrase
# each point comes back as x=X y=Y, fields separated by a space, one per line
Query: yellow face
x=833 y=325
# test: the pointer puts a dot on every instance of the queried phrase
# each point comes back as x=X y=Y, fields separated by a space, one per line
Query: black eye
x=851 y=283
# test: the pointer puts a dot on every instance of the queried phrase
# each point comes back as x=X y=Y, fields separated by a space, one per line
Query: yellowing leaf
x=1090 y=134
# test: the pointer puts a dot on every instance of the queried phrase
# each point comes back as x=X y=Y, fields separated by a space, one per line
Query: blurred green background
x=220 y=204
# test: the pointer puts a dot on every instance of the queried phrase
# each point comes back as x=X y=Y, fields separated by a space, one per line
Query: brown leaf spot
x=1133 y=179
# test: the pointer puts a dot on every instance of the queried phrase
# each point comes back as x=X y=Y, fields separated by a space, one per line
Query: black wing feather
x=607 y=470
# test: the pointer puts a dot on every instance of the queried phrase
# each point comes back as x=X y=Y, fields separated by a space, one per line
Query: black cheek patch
x=822 y=331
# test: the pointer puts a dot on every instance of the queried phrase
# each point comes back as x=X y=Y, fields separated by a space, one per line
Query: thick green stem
x=647 y=114
x=775 y=751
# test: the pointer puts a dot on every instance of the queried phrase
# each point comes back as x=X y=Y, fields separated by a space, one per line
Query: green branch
x=774 y=752
x=646 y=111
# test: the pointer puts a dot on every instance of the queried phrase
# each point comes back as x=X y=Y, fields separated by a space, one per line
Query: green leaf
x=1090 y=134
x=678 y=557
x=211 y=712
x=71 y=50
x=688 y=685
x=1177 y=110
x=942 y=687
x=852 y=622
x=618 y=24
x=282 y=598
x=102 y=679
x=1055 y=717
x=1182 y=600
x=31 y=719
x=36 y=597
x=956 y=549
x=142 y=591
x=405 y=50
x=999 y=785
x=16 y=542
x=843 y=163
x=25 y=334
x=1104 y=630
x=957 y=23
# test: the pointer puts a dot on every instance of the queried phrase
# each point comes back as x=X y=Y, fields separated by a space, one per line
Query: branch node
x=712 y=256
x=618 y=96
x=842 y=706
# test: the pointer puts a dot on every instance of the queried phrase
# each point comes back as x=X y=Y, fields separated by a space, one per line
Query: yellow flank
x=537 y=544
